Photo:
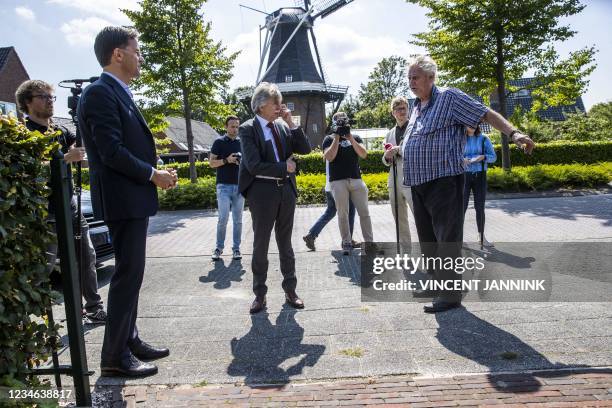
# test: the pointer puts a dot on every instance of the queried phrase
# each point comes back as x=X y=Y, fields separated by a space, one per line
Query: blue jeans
x=329 y=214
x=228 y=198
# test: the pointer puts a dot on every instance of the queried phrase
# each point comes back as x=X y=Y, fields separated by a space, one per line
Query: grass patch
x=356 y=352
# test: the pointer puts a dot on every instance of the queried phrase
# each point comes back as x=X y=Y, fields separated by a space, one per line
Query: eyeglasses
x=52 y=98
x=401 y=109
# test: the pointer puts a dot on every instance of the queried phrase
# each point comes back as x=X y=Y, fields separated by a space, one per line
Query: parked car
x=98 y=231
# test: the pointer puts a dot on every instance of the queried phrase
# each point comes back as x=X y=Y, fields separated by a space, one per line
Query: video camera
x=341 y=126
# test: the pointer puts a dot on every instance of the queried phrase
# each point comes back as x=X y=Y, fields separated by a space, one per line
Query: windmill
x=287 y=60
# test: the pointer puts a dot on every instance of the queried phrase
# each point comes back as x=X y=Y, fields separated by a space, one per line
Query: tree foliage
x=184 y=69
x=482 y=45
x=388 y=79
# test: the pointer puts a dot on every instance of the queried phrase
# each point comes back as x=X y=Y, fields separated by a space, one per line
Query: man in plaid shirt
x=433 y=167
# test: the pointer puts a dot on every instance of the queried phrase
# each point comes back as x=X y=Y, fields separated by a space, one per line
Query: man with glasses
x=395 y=137
x=35 y=99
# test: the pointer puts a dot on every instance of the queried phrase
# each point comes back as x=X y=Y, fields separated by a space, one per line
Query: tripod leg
x=54 y=357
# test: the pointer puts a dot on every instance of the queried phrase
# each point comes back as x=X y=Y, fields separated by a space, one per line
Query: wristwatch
x=511 y=135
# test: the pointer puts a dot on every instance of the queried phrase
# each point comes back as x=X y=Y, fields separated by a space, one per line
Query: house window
x=315 y=128
x=288 y=78
x=523 y=92
x=291 y=106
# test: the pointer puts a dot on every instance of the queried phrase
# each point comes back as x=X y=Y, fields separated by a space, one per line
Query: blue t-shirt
x=223 y=148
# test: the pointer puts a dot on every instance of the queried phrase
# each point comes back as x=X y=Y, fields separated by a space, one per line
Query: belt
x=274 y=180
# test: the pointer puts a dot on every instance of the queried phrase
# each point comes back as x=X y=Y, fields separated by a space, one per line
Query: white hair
x=425 y=63
x=262 y=93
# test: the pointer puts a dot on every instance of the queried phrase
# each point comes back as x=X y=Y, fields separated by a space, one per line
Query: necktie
x=277 y=142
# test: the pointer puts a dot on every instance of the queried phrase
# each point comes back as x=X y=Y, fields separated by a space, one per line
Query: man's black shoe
x=294 y=300
x=310 y=242
x=258 y=305
x=440 y=306
x=128 y=367
x=145 y=351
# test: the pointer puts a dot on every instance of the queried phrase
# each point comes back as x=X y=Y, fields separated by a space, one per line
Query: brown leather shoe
x=294 y=300
x=258 y=305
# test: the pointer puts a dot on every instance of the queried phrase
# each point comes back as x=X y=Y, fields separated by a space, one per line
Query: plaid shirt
x=436 y=135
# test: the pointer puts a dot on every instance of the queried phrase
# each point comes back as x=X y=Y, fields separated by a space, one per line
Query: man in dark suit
x=267 y=180
x=123 y=179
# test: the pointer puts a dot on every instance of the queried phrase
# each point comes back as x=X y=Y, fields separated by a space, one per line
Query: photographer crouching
x=343 y=151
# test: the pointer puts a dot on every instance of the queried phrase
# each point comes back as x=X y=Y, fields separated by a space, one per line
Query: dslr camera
x=341 y=127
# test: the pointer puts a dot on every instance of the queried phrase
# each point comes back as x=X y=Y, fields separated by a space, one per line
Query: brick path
x=540 y=389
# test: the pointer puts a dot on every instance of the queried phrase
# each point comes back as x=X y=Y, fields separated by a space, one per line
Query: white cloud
x=82 y=32
x=25 y=13
x=348 y=57
x=109 y=9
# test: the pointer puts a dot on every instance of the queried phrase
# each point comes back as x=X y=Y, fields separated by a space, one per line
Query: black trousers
x=129 y=241
x=438 y=215
x=476 y=182
x=272 y=206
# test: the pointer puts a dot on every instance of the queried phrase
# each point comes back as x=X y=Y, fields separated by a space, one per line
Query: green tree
x=388 y=79
x=482 y=45
x=377 y=117
x=183 y=69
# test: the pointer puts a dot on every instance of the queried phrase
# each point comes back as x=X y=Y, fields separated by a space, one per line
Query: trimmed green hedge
x=545 y=153
x=26 y=338
x=310 y=186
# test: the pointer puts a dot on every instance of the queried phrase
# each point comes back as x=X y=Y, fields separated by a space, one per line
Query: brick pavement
x=537 y=389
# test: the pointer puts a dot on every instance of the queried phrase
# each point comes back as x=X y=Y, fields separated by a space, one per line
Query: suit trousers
x=438 y=215
x=129 y=239
x=272 y=206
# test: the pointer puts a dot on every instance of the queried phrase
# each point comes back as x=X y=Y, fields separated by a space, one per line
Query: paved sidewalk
x=200 y=310
x=539 y=389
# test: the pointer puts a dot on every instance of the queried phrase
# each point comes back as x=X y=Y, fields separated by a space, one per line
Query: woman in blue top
x=478 y=152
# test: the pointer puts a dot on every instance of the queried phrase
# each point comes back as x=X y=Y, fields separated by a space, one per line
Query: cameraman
x=35 y=99
x=343 y=151
x=225 y=156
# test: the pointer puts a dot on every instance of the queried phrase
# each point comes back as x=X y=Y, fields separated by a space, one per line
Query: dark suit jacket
x=258 y=154
x=120 y=150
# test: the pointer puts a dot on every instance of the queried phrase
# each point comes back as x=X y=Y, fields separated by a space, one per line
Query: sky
x=54 y=38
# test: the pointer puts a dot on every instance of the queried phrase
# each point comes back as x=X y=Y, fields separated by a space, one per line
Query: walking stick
x=395 y=187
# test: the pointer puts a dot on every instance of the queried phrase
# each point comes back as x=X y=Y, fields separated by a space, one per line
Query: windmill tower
x=287 y=59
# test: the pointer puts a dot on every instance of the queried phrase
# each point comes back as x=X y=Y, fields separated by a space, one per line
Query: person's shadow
x=466 y=335
x=259 y=355
x=223 y=275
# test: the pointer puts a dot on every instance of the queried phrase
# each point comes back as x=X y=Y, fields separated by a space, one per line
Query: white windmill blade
x=323 y=8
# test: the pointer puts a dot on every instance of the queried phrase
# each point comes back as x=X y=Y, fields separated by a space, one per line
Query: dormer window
x=288 y=78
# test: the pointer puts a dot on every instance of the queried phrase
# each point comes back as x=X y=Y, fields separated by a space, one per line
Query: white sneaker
x=217 y=254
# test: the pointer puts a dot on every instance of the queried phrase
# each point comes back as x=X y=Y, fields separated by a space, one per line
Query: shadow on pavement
x=348 y=266
x=561 y=208
x=223 y=275
x=262 y=355
x=466 y=335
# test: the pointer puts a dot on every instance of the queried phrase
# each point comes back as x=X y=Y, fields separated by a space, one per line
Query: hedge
x=310 y=186
x=545 y=153
x=26 y=338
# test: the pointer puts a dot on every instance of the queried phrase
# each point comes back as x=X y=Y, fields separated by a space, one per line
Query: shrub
x=25 y=293
x=310 y=186
x=564 y=152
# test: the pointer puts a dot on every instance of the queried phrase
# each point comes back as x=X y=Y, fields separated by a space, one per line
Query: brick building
x=12 y=74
